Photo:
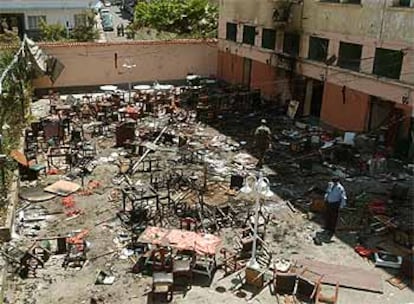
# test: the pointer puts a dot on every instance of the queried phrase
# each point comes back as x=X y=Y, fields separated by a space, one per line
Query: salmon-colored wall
x=263 y=77
x=89 y=64
x=350 y=115
x=230 y=67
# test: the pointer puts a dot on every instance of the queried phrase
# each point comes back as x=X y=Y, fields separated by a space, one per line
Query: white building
x=26 y=15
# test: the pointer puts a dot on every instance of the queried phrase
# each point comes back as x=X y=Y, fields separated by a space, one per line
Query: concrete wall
x=376 y=19
x=373 y=23
x=264 y=77
x=344 y=109
x=230 y=67
x=379 y=24
x=91 y=64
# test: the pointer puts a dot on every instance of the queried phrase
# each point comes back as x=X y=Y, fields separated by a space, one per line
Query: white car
x=107 y=3
x=104 y=11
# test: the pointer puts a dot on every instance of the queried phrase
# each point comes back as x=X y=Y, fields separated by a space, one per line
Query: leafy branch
x=184 y=17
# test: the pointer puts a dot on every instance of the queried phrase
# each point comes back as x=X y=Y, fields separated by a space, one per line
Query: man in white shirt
x=335 y=198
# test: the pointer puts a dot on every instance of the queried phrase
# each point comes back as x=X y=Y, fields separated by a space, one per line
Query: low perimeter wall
x=93 y=64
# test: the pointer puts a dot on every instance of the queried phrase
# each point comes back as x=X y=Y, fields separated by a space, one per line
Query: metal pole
x=129 y=87
x=253 y=262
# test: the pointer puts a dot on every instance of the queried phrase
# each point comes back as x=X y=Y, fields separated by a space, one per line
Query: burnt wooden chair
x=183 y=264
x=284 y=283
x=306 y=289
x=188 y=223
x=205 y=264
x=162 y=279
x=230 y=262
x=323 y=298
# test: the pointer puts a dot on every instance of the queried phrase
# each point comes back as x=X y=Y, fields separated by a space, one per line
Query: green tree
x=14 y=99
x=195 y=18
x=86 y=31
x=53 y=32
x=9 y=38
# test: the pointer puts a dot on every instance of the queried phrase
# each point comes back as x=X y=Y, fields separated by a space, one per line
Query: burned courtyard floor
x=187 y=171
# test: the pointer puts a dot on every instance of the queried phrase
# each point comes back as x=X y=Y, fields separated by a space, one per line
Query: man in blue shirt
x=335 y=198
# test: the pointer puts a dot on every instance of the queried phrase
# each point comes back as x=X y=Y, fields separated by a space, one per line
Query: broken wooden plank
x=350 y=277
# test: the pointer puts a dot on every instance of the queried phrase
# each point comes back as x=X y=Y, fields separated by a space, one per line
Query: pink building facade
x=348 y=62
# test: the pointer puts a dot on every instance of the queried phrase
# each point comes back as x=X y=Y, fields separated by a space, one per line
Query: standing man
x=335 y=198
x=122 y=30
x=262 y=141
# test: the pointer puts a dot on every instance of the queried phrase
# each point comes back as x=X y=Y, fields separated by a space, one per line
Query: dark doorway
x=13 y=23
x=247 y=69
x=386 y=120
x=380 y=111
x=316 y=101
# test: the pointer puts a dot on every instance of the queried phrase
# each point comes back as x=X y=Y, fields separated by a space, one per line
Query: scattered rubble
x=146 y=193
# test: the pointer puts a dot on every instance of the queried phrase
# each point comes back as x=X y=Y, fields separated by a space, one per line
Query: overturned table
x=203 y=244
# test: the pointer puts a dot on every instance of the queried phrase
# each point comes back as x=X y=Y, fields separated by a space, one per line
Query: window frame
x=378 y=69
x=296 y=51
x=347 y=63
x=268 y=30
x=76 y=18
x=228 y=31
x=325 y=46
x=341 y=1
x=37 y=19
x=246 y=38
x=399 y=4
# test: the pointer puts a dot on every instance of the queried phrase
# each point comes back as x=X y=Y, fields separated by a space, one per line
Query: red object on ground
x=377 y=207
x=68 y=202
x=73 y=212
x=364 y=252
x=78 y=239
x=53 y=171
x=93 y=184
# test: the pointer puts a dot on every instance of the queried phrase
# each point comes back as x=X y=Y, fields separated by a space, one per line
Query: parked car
x=107 y=23
x=107 y=3
x=103 y=12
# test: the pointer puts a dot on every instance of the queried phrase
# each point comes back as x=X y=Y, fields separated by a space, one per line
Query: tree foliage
x=83 y=32
x=14 y=99
x=9 y=38
x=197 y=18
x=53 y=32
x=86 y=31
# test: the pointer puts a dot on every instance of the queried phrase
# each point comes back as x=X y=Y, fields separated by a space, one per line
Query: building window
x=404 y=3
x=231 y=31
x=33 y=22
x=249 y=34
x=387 y=63
x=268 y=39
x=318 y=49
x=342 y=1
x=350 y=56
x=80 y=19
x=291 y=44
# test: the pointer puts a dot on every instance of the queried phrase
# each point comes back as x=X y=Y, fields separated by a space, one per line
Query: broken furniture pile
x=175 y=194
